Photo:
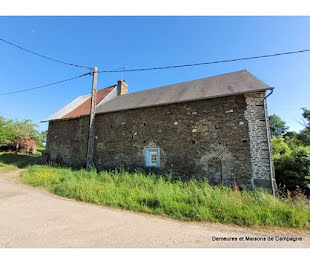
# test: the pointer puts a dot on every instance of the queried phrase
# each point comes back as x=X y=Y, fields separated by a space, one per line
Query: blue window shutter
x=147 y=155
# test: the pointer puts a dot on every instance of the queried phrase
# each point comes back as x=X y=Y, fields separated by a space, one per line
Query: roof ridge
x=99 y=90
x=166 y=86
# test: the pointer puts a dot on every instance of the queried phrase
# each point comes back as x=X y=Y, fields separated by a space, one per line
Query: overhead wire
x=46 y=85
x=137 y=69
x=43 y=56
x=206 y=63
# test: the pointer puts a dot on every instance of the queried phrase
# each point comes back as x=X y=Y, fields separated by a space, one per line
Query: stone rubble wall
x=67 y=141
x=206 y=139
x=255 y=115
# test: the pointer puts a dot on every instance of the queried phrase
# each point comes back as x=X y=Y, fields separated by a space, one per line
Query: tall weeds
x=192 y=200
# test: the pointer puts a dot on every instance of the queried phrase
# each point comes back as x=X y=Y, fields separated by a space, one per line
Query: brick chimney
x=122 y=87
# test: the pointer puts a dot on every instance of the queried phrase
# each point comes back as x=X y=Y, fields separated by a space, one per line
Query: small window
x=152 y=157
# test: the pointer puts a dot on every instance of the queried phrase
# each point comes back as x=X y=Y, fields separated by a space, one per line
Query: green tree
x=306 y=116
x=293 y=169
x=19 y=130
x=280 y=148
x=291 y=153
x=40 y=138
x=304 y=135
x=43 y=137
x=292 y=138
x=277 y=126
x=6 y=131
x=24 y=129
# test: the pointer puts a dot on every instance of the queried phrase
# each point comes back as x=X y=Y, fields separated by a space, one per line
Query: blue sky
x=115 y=42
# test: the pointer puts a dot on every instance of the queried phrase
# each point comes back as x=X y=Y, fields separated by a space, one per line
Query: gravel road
x=32 y=217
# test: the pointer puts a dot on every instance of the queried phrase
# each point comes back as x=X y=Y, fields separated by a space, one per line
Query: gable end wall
x=67 y=141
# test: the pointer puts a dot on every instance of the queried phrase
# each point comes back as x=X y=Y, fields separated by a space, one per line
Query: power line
x=206 y=63
x=46 y=85
x=43 y=56
x=141 y=69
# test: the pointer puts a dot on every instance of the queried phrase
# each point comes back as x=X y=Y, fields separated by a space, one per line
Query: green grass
x=40 y=150
x=12 y=161
x=192 y=201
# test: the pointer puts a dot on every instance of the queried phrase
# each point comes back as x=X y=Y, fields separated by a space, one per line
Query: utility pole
x=91 y=130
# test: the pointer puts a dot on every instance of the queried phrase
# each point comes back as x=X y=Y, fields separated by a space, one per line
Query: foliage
x=40 y=150
x=304 y=135
x=43 y=137
x=24 y=129
x=280 y=148
x=13 y=129
x=292 y=164
x=291 y=155
x=6 y=131
x=306 y=116
x=292 y=169
x=277 y=126
x=192 y=200
x=292 y=138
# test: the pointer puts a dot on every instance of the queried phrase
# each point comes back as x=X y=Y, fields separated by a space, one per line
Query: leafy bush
x=292 y=168
x=280 y=148
x=291 y=155
x=192 y=200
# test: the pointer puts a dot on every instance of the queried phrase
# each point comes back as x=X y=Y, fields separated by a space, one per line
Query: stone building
x=213 y=128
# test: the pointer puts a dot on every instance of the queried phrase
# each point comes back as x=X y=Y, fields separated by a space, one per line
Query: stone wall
x=67 y=141
x=207 y=139
x=204 y=139
x=255 y=115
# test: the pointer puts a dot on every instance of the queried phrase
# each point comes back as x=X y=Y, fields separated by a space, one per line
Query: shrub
x=292 y=168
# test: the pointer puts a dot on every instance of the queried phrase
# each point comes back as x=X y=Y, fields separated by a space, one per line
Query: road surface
x=33 y=217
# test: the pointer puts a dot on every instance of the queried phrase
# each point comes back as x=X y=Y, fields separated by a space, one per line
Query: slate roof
x=233 y=83
x=216 y=86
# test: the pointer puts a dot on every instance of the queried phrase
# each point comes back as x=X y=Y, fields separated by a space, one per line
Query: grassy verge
x=12 y=161
x=7 y=168
x=192 y=200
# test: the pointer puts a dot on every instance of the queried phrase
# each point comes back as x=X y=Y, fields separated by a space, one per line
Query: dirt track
x=32 y=217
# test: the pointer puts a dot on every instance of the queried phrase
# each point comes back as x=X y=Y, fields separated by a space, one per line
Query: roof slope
x=217 y=86
x=69 y=107
x=81 y=105
x=84 y=108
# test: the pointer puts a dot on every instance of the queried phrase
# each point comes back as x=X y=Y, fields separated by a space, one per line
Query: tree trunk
x=17 y=146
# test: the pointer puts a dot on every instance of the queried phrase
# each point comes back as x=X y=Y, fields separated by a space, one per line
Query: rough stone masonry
x=222 y=139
